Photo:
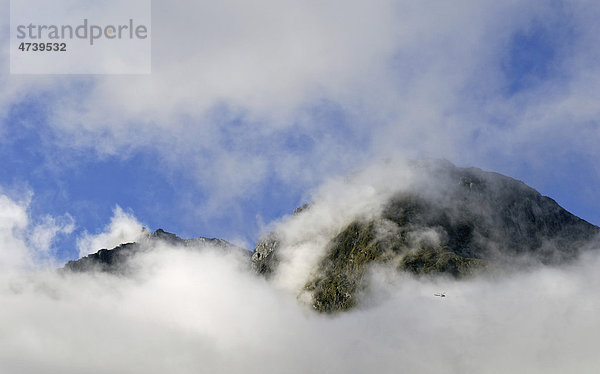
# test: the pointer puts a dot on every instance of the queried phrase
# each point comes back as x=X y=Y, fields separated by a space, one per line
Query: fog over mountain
x=248 y=206
x=345 y=284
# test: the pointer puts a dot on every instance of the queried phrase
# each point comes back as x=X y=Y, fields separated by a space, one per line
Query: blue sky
x=227 y=135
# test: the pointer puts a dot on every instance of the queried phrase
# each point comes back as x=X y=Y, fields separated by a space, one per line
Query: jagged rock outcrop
x=264 y=258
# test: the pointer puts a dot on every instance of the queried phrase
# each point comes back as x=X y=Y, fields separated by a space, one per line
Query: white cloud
x=42 y=235
x=13 y=223
x=233 y=81
x=123 y=228
x=25 y=245
x=190 y=311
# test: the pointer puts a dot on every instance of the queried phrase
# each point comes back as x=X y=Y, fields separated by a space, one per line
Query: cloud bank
x=202 y=311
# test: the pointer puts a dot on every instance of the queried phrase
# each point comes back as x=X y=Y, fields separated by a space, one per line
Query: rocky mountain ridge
x=115 y=260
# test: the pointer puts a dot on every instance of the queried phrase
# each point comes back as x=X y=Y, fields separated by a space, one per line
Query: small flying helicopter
x=441 y=294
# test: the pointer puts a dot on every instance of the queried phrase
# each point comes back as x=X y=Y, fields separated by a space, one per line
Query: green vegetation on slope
x=340 y=273
x=436 y=260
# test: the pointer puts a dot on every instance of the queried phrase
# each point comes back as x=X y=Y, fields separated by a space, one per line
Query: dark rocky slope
x=452 y=221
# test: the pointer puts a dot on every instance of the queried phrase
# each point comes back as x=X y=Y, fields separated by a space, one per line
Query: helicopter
x=441 y=294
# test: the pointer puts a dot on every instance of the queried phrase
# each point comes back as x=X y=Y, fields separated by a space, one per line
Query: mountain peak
x=449 y=220
x=166 y=236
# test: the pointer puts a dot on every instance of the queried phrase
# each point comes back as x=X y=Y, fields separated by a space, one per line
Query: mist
x=192 y=311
